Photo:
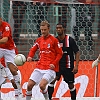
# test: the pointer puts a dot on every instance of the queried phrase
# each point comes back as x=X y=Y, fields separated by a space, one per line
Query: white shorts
x=38 y=74
x=8 y=55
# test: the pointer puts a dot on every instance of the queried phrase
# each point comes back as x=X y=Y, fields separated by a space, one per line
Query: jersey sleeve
x=6 y=31
x=33 y=49
x=59 y=52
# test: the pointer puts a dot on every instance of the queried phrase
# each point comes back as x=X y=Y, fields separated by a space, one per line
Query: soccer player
x=96 y=62
x=50 y=53
x=7 y=50
x=67 y=67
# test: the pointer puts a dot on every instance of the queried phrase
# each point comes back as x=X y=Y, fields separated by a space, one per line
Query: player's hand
x=95 y=63
x=52 y=66
x=75 y=70
x=29 y=59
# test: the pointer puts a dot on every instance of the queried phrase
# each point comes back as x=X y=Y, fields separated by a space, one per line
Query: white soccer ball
x=19 y=59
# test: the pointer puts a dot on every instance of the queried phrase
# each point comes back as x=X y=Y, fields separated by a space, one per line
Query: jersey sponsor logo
x=45 y=51
x=7 y=28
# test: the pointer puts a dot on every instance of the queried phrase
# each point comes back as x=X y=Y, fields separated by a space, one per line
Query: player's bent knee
x=70 y=85
x=30 y=85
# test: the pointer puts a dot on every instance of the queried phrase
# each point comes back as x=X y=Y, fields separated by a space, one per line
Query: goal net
x=82 y=22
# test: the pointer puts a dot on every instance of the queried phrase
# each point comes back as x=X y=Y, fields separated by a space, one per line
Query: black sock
x=50 y=91
x=73 y=94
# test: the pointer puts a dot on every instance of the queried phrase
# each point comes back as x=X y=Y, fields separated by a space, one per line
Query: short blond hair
x=45 y=22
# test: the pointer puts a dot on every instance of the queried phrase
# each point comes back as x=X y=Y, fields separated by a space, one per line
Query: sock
x=16 y=92
x=45 y=94
x=28 y=95
x=73 y=93
x=17 y=81
x=50 y=90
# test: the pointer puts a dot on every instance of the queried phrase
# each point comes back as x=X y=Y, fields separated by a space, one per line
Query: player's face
x=59 y=29
x=44 y=30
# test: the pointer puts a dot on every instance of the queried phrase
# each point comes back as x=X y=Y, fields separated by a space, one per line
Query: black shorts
x=67 y=75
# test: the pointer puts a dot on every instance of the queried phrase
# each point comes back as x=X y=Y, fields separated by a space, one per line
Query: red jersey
x=50 y=52
x=5 y=31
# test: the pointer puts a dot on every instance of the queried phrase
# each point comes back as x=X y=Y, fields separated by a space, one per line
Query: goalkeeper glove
x=95 y=63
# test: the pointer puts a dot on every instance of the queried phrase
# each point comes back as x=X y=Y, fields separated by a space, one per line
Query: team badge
x=7 y=28
x=61 y=44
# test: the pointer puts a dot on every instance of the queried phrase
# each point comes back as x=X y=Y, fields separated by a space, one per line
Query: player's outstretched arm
x=96 y=62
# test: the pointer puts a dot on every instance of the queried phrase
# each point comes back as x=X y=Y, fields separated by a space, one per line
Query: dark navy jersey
x=69 y=48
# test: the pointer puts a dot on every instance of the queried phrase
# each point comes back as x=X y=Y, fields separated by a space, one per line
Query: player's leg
x=10 y=77
x=14 y=72
x=6 y=73
x=69 y=79
x=9 y=59
x=30 y=85
x=34 y=79
x=72 y=91
x=47 y=78
x=51 y=85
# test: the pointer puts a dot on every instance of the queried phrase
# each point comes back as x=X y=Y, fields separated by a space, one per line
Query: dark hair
x=63 y=25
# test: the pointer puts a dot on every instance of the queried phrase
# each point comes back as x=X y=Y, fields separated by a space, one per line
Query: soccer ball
x=19 y=59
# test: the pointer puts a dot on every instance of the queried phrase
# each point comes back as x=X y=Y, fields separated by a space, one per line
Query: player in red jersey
x=7 y=50
x=50 y=54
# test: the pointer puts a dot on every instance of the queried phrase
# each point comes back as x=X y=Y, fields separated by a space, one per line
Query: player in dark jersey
x=67 y=67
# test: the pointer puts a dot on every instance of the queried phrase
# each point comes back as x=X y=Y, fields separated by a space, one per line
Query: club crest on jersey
x=61 y=44
x=48 y=46
x=7 y=28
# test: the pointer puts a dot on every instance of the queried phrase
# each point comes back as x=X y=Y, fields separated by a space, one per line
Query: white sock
x=28 y=95
x=16 y=92
x=45 y=94
x=17 y=81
